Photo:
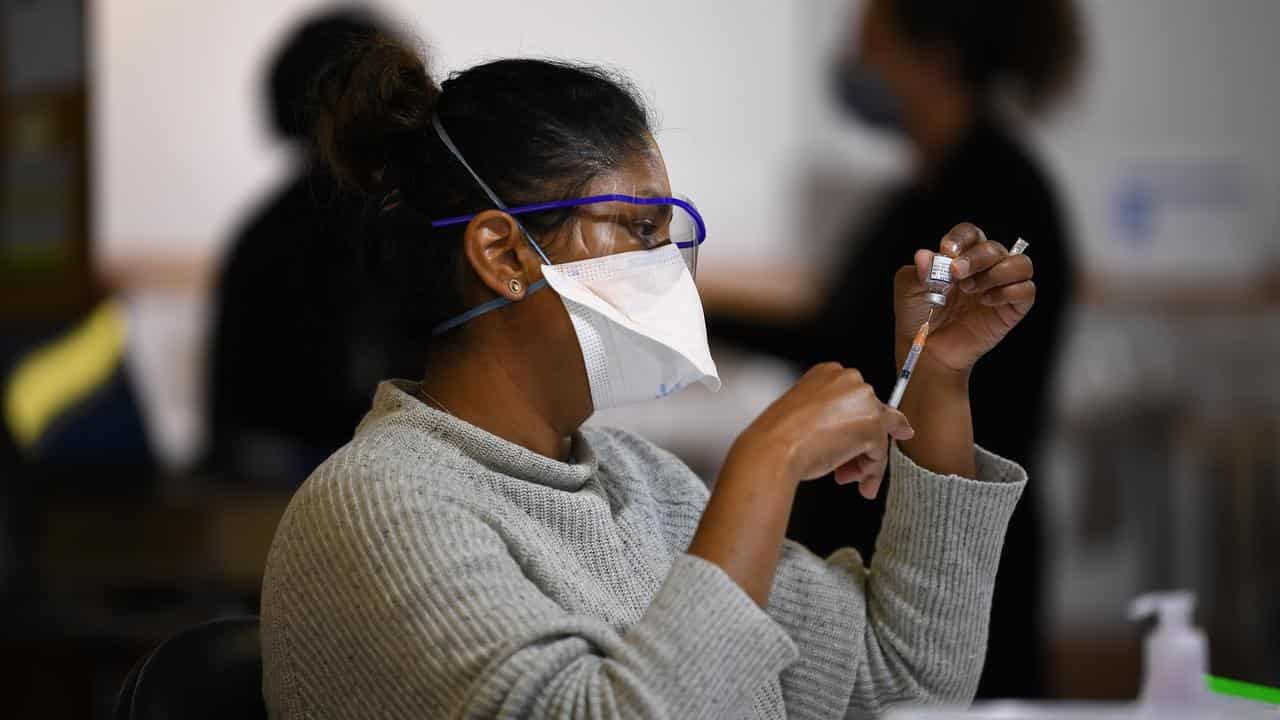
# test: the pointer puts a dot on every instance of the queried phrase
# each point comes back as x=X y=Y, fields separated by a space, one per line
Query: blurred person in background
x=940 y=74
x=296 y=300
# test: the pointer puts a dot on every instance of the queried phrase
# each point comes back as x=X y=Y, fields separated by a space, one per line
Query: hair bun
x=375 y=104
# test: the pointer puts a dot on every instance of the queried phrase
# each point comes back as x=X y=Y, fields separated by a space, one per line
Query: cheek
x=555 y=333
x=591 y=239
x=557 y=352
x=605 y=238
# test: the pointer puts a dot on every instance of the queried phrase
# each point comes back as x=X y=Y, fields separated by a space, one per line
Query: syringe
x=917 y=344
x=914 y=354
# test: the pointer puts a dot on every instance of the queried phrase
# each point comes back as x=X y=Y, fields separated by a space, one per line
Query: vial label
x=940 y=271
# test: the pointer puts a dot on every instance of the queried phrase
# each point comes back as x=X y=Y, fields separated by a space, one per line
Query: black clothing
x=988 y=180
x=298 y=300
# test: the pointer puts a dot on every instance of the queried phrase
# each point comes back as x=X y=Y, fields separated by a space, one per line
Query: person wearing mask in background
x=937 y=73
x=295 y=297
x=475 y=552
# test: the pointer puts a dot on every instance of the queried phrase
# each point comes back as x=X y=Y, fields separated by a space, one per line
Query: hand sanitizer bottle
x=1175 y=654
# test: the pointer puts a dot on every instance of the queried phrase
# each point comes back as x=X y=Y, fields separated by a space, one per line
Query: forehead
x=641 y=173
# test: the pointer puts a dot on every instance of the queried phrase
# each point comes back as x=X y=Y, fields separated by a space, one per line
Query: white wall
x=1181 y=100
x=182 y=149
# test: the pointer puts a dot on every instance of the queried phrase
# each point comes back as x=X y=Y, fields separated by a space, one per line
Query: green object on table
x=1248 y=691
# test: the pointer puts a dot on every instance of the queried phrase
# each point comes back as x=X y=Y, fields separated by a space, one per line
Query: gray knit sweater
x=430 y=569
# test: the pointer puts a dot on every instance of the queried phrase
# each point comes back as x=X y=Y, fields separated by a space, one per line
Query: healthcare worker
x=946 y=76
x=475 y=552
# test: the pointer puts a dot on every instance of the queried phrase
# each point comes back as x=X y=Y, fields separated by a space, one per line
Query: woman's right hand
x=831 y=421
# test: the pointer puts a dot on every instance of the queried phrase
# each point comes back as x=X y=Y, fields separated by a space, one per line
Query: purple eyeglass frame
x=700 y=225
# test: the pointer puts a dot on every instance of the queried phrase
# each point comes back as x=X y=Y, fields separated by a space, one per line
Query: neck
x=482 y=390
x=937 y=124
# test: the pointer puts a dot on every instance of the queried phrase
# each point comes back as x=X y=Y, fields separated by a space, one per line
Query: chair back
x=211 y=670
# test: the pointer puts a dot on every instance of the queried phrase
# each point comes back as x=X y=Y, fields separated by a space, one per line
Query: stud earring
x=515 y=287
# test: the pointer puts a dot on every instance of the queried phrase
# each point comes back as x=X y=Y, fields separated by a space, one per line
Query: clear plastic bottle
x=1176 y=653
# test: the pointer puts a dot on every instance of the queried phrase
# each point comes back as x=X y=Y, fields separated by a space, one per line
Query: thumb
x=897 y=425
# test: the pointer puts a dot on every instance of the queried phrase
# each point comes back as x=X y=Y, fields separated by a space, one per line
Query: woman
x=936 y=73
x=475 y=552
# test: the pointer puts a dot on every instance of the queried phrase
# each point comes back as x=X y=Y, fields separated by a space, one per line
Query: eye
x=648 y=232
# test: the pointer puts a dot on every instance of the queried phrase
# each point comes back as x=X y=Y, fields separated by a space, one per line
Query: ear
x=498 y=252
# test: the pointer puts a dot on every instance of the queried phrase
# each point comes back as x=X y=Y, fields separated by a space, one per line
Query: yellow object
x=56 y=377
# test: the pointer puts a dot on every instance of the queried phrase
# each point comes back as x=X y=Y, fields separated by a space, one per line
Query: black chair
x=212 y=670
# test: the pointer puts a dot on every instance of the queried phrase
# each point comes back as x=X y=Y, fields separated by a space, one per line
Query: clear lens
x=684 y=233
x=650 y=223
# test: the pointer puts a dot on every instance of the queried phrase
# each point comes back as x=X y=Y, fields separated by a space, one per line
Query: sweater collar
x=397 y=399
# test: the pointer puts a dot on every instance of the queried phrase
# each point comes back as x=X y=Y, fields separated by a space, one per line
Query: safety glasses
x=653 y=221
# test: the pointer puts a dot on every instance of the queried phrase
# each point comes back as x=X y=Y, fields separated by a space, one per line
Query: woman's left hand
x=991 y=292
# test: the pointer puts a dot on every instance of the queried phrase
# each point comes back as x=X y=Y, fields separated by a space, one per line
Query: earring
x=515 y=287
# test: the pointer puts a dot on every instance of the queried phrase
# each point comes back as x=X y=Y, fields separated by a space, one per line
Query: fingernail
x=968 y=285
x=949 y=247
x=960 y=268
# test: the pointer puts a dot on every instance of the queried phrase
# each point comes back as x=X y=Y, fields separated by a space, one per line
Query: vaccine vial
x=939 y=281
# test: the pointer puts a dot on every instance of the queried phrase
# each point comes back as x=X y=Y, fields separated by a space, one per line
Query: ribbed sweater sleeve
x=913 y=627
x=435 y=617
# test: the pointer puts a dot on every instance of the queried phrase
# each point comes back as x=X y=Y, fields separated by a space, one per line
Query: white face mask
x=639 y=323
x=637 y=315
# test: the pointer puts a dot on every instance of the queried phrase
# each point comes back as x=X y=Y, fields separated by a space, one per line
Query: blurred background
x=145 y=156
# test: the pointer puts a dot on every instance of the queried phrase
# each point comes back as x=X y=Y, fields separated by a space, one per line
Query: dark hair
x=319 y=40
x=532 y=129
x=1035 y=44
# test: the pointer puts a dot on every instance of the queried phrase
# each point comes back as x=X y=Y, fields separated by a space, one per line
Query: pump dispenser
x=1175 y=654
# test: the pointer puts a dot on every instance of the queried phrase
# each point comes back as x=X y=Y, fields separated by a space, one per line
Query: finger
x=875 y=452
x=976 y=259
x=1011 y=270
x=825 y=368
x=1021 y=294
x=923 y=261
x=1011 y=315
x=820 y=374
x=896 y=425
x=961 y=238
x=907 y=282
x=870 y=487
x=852 y=471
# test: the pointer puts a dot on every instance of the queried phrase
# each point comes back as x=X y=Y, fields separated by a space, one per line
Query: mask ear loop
x=453 y=149
x=498 y=302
